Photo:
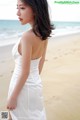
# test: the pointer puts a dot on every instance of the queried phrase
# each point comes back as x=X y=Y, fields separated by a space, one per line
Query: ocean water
x=65 y=28
x=10 y=30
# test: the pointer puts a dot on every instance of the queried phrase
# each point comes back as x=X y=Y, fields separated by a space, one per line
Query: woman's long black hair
x=42 y=26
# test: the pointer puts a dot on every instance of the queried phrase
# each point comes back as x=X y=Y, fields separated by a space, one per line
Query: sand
x=60 y=77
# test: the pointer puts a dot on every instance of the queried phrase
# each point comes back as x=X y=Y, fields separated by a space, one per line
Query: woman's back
x=38 y=47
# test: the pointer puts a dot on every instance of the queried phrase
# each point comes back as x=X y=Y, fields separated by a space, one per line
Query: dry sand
x=60 y=77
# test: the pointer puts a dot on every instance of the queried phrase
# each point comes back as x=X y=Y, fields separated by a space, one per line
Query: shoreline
x=54 y=35
x=66 y=34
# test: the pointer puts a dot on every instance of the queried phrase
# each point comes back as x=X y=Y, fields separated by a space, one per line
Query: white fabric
x=30 y=105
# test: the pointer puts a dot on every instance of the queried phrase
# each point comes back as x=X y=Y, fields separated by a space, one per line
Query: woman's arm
x=26 y=49
x=41 y=63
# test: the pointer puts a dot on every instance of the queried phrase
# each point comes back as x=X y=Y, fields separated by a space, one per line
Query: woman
x=25 y=100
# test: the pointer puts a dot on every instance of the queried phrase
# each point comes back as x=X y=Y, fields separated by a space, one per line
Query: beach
x=60 y=77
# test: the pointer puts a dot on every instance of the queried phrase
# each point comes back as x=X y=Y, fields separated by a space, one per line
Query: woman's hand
x=11 y=103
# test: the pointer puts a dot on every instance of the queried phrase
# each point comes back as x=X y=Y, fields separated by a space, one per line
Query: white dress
x=30 y=103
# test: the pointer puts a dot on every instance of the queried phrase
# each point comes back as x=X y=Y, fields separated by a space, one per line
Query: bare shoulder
x=27 y=37
x=30 y=38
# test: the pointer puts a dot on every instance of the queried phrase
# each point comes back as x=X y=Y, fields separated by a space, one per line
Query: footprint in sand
x=2 y=61
x=66 y=53
x=53 y=98
x=59 y=49
x=55 y=58
x=12 y=71
x=1 y=75
x=76 y=50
